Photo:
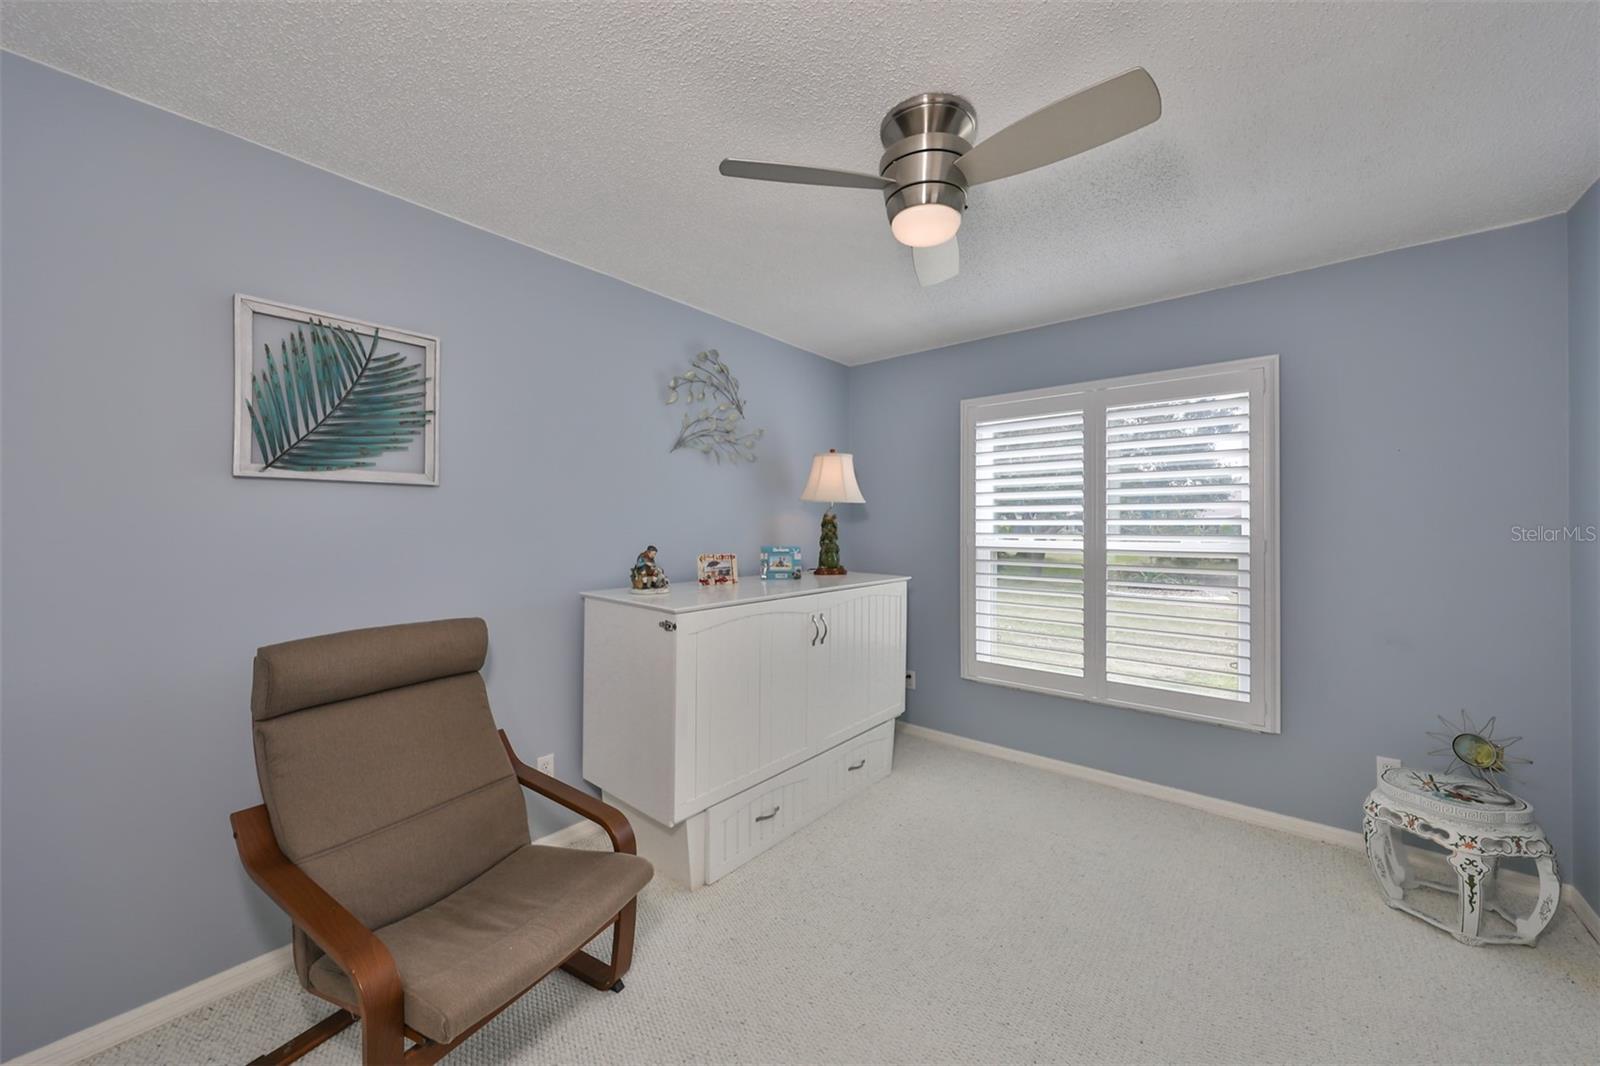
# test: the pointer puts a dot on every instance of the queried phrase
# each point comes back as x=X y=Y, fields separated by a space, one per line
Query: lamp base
x=830 y=571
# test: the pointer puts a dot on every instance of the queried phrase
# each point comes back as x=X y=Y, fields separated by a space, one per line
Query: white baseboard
x=1580 y=907
x=1239 y=812
x=126 y=1026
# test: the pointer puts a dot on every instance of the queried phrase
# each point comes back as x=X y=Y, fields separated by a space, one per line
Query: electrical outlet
x=911 y=679
x=1384 y=762
x=546 y=764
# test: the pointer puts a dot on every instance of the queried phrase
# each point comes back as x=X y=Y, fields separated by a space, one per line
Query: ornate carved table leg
x=1544 y=909
x=1386 y=865
x=1471 y=869
x=1489 y=885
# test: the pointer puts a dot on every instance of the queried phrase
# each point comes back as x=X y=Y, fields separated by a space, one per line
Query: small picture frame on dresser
x=718 y=568
x=781 y=562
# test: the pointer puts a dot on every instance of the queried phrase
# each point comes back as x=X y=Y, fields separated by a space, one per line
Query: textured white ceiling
x=1293 y=135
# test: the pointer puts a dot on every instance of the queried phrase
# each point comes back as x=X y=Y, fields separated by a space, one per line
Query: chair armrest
x=338 y=932
x=613 y=821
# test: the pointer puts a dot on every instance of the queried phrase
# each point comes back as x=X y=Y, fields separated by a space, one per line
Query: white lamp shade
x=833 y=479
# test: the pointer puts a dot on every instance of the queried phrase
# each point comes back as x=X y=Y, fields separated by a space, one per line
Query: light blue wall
x=1583 y=256
x=140 y=577
x=1424 y=414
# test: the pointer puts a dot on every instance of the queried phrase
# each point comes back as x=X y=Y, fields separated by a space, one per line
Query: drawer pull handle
x=824 y=629
x=857 y=766
x=770 y=815
x=815 y=632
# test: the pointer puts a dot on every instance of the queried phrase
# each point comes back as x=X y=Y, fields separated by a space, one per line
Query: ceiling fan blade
x=938 y=263
x=1071 y=125
x=843 y=179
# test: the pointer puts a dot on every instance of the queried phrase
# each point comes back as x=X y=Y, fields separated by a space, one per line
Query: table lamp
x=832 y=480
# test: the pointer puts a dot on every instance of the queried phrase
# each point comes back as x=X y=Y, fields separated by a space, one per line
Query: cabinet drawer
x=742 y=827
x=857 y=763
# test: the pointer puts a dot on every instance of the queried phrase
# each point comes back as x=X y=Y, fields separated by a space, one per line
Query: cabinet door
x=834 y=692
x=858 y=670
x=750 y=694
x=785 y=699
x=724 y=663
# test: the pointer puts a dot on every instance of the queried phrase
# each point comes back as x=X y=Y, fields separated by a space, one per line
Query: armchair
x=394 y=836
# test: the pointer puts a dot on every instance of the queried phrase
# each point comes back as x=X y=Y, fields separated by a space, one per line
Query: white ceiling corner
x=1293 y=135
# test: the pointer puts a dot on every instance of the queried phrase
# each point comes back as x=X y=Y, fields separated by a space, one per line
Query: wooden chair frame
x=380 y=997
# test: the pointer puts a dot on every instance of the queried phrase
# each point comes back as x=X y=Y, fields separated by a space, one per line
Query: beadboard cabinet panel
x=852 y=766
x=726 y=659
x=739 y=829
x=785 y=686
x=860 y=671
x=626 y=748
x=752 y=697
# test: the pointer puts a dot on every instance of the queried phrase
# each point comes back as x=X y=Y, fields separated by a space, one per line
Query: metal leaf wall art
x=718 y=427
x=330 y=402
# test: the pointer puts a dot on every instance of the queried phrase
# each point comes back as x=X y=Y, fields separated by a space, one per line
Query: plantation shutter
x=1119 y=542
x=1178 y=545
x=1028 y=562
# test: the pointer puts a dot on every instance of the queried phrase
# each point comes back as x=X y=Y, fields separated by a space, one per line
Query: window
x=1119 y=542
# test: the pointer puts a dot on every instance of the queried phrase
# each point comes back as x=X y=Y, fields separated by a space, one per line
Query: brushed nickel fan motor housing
x=923 y=137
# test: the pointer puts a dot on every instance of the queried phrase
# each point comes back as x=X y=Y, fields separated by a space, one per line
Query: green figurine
x=828 y=546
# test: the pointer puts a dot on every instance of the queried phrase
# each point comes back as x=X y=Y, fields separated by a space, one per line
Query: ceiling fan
x=929 y=160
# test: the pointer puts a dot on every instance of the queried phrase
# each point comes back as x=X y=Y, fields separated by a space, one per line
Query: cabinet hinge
x=670 y=627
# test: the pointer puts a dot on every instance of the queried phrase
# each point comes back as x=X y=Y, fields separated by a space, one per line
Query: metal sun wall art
x=717 y=429
x=1476 y=749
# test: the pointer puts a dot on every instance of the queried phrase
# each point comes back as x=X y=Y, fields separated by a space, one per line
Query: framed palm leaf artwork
x=320 y=397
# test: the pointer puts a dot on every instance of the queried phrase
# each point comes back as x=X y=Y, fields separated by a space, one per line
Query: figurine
x=828 y=545
x=646 y=577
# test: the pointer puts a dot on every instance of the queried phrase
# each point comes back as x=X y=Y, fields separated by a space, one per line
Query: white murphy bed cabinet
x=722 y=719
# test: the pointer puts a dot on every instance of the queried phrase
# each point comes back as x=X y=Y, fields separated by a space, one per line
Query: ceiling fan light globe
x=925 y=225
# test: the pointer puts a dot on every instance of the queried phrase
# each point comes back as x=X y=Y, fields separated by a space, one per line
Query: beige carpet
x=973 y=910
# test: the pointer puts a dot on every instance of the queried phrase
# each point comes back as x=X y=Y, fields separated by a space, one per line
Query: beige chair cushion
x=305 y=673
x=470 y=953
x=398 y=792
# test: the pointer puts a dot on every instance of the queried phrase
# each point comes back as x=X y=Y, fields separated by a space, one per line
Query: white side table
x=1478 y=827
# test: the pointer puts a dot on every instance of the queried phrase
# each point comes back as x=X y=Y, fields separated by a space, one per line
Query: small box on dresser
x=723 y=719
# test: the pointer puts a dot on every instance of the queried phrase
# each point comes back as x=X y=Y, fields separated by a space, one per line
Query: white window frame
x=1259 y=377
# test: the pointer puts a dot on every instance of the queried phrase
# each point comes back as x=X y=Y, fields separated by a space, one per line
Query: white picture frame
x=422 y=462
x=714 y=569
